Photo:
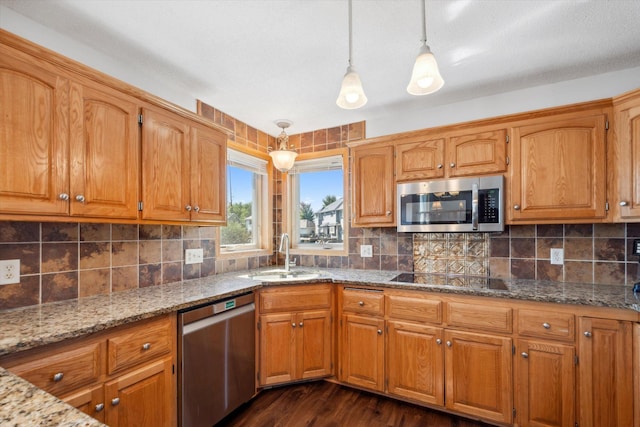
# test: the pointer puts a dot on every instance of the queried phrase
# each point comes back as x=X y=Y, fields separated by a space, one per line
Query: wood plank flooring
x=324 y=404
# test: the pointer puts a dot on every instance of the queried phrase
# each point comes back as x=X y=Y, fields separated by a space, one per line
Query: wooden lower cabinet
x=545 y=375
x=362 y=351
x=89 y=400
x=415 y=362
x=605 y=373
x=478 y=375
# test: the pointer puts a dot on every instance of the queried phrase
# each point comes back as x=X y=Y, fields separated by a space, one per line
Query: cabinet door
x=373 y=186
x=166 y=172
x=559 y=170
x=545 y=384
x=34 y=142
x=362 y=352
x=104 y=153
x=313 y=344
x=415 y=362
x=277 y=348
x=627 y=159
x=143 y=397
x=478 y=375
x=477 y=153
x=420 y=160
x=89 y=400
x=208 y=173
x=605 y=380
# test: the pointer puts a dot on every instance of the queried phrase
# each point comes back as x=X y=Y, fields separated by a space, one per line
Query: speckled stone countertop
x=22 y=404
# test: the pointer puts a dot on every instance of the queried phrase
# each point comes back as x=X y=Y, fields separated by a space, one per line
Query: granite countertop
x=24 y=404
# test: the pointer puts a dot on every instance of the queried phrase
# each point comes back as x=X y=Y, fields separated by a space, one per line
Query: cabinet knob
x=388 y=213
x=439 y=166
x=146 y=346
x=80 y=198
x=99 y=407
x=301 y=324
x=438 y=341
x=546 y=325
x=379 y=331
x=587 y=334
x=449 y=344
x=524 y=355
x=196 y=208
x=188 y=208
x=516 y=207
x=293 y=325
x=58 y=377
x=115 y=401
x=361 y=303
x=452 y=165
x=623 y=203
x=63 y=196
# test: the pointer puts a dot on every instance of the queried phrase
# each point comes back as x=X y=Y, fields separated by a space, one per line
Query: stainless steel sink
x=282 y=275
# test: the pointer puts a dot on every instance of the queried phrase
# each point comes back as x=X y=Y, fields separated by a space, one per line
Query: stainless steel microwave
x=452 y=205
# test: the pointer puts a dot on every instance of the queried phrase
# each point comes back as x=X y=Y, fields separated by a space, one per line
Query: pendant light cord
x=350 y=34
x=424 y=22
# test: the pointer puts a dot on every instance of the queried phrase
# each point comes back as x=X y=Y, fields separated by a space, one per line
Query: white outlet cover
x=193 y=256
x=366 y=251
x=557 y=256
x=9 y=271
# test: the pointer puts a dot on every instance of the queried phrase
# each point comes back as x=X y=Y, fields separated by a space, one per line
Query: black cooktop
x=447 y=280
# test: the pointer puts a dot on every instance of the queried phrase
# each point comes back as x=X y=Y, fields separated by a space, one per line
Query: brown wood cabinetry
x=362 y=351
x=559 y=168
x=626 y=157
x=373 y=186
x=122 y=377
x=295 y=338
x=423 y=159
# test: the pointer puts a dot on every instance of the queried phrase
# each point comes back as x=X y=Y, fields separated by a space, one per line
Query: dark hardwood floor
x=324 y=404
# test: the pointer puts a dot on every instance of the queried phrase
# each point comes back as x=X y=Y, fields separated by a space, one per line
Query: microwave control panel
x=488 y=205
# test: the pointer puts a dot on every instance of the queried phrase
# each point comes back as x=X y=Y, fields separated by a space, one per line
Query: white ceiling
x=263 y=60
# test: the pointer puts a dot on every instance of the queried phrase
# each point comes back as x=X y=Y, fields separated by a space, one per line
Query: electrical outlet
x=193 y=256
x=366 y=251
x=557 y=256
x=9 y=271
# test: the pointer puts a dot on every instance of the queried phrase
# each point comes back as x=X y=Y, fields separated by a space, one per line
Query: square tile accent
x=451 y=253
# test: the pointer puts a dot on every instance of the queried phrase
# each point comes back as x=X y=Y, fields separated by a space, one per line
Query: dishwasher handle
x=212 y=320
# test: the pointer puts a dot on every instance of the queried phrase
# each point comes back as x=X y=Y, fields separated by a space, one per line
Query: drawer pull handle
x=587 y=334
x=58 y=377
x=379 y=331
x=146 y=346
x=546 y=325
x=438 y=341
x=99 y=407
x=524 y=355
x=361 y=303
x=115 y=401
x=449 y=344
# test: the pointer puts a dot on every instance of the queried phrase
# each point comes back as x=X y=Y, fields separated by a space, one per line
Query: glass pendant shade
x=425 y=78
x=351 y=93
x=283 y=160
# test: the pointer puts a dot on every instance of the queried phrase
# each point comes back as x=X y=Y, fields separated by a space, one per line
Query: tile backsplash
x=451 y=253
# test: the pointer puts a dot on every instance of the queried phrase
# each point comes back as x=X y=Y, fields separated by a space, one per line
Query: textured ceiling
x=262 y=60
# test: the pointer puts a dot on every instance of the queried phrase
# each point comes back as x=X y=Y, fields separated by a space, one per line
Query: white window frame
x=308 y=162
x=260 y=165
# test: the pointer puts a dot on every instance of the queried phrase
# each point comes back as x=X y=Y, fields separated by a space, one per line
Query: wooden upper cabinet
x=626 y=157
x=104 y=153
x=477 y=153
x=208 y=174
x=559 y=169
x=373 y=186
x=166 y=172
x=34 y=143
x=420 y=160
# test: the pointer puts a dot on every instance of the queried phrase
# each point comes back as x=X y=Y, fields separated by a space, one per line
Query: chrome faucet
x=287 y=263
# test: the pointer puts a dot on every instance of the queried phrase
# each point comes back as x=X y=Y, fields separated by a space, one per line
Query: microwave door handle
x=474 y=206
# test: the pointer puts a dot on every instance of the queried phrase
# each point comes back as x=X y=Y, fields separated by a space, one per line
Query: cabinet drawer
x=481 y=317
x=363 y=301
x=546 y=324
x=63 y=372
x=295 y=299
x=139 y=344
x=413 y=308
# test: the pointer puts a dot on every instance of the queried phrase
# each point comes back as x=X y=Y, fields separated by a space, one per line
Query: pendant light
x=284 y=157
x=351 y=93
x=425 y=78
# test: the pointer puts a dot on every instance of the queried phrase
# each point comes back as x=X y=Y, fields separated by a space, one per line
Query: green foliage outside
x=328 y=200
x=236 y=230
x=306 y=212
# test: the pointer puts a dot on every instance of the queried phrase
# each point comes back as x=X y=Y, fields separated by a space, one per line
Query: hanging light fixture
x=426 y=77
x=351 y=93
x=284 y=157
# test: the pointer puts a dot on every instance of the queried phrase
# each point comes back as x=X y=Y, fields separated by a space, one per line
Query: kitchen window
x=316 y=203
x=248 y=209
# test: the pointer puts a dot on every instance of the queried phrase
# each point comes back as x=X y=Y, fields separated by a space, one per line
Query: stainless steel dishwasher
x=217 y=360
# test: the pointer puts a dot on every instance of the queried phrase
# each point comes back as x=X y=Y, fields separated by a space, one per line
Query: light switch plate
x=193 y=256
x=557 y=256
x=9 y=271
x=366 y=251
